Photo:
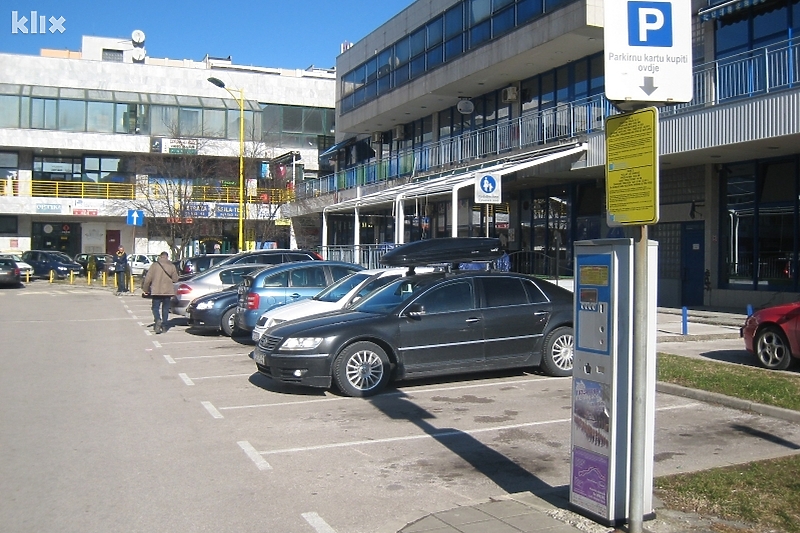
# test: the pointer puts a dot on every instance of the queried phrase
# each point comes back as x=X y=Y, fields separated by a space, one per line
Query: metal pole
x=240 y=100
x=639 y=383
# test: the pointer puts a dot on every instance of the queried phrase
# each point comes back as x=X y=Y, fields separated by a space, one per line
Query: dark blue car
x=286 y=283
x=46 y=261
x=215 y=311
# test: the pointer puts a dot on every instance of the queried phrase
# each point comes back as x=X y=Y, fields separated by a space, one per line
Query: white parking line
x=210 y=356
x=169 y=359
x=315 y=521
x=254 y=455
x=186 y=379
x=211 y=409
x=157 y=344
x=187 y=342
x=438 y=435
x=217 y=377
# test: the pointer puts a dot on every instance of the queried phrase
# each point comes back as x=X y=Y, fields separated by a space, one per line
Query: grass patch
x=763 y=494
x=780 y=389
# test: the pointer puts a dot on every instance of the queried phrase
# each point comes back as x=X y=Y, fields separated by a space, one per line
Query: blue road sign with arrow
x=135 y=217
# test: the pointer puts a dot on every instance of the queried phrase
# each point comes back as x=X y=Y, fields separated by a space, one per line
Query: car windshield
x=385 y=299
x=337 y=290
x=64 y=258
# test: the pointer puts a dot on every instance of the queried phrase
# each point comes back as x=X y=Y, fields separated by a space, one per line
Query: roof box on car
x=445 y=250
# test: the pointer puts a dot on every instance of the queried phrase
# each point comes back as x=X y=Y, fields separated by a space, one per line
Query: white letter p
x=655 y=22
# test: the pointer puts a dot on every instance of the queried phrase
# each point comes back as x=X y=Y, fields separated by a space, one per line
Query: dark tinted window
x=449 y=298
x=265 y=259
x=535 y=294
x=502 y=292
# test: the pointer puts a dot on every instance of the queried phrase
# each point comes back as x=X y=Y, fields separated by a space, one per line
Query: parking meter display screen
x=594 y=275
x=588 y=296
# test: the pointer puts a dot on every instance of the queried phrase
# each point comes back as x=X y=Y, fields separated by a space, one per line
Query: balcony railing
x=754 y=73
x=129 y=191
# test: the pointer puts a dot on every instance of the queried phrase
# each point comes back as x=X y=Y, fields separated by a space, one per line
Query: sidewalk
x=548 y=511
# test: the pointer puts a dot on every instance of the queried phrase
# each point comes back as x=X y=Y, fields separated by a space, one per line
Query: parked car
x=46 y=261
x=339 y=295
x=273 y=256
x=139 y=263
x=209 y=281
x=103 y=262
x=24 y=268
x=424 y=325
x=200 y=263
x=772 y=334
x=285 y=283
x=215 y=311
x=9 y=273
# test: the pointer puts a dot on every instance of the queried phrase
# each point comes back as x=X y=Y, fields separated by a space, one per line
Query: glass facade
x=465 y=26
x=759 y=220
x=79 y=110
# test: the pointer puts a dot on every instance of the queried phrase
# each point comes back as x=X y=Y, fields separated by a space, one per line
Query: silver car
x=25 y=270
x=208 y=282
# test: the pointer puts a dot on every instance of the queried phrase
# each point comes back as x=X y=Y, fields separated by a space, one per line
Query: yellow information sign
x=632 y=168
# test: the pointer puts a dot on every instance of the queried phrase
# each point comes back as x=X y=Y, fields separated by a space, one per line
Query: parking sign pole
x=638 y=383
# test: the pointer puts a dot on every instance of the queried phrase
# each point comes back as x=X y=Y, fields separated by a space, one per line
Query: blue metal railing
x=760 y=71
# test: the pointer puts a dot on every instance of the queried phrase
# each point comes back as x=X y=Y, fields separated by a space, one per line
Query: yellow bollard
x=89 y=278
x=28 y=276
x=104 y=277
x=71 y=277
x=52 y=275
x=130 y=282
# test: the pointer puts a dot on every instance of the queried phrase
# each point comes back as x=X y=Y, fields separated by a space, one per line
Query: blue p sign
x=650 y=24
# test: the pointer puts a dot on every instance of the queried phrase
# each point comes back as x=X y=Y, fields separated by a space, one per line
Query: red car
x=773 y=335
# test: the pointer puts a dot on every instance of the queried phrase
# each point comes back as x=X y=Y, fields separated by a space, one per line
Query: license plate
x=256 y=336
x=259 y=358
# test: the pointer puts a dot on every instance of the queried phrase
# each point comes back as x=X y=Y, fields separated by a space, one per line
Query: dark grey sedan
x=440 y=323
x=9 y=273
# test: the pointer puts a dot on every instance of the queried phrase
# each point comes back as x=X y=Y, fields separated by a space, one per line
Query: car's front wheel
x=772 y=349
x=361 y=369
x=558 y=352
x=228 y=322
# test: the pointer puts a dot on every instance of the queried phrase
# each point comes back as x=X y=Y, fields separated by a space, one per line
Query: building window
x=112 y=55
x=8 y=225
x=9 y=111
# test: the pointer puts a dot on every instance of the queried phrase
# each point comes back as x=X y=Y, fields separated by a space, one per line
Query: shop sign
x=48 y=208
x=85 y=212
x=227 y=211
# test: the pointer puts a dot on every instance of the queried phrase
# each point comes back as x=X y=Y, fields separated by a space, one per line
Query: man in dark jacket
x=158 y=283
x=121 y=270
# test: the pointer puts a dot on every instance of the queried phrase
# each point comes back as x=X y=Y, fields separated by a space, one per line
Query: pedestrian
x=121 y=270
x=158 y=285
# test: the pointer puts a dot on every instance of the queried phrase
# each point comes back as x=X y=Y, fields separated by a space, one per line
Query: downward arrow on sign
x=648 y=87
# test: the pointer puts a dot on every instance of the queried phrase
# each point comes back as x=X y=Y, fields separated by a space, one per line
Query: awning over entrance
x=723 y=8
x=443 y=186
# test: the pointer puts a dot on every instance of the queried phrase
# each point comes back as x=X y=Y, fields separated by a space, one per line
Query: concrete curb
x=689 y=338
x=728 y=401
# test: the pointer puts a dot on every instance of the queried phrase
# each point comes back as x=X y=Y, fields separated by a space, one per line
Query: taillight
x=183 y=289
x=252 y=301
x=16 y=271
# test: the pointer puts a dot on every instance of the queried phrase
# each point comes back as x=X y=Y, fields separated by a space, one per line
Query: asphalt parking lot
x=108 y=427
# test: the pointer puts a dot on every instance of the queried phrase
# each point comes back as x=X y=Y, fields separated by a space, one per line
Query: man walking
x=158 y=284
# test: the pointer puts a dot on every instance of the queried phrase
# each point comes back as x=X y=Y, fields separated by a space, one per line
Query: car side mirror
x=415 y=310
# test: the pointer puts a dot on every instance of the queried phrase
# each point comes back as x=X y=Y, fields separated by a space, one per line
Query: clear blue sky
x=267 y=33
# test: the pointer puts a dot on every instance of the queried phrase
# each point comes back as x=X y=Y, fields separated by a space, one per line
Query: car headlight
x=205 y=305
x=302 y=343
x=270 y=322
x=61 y=268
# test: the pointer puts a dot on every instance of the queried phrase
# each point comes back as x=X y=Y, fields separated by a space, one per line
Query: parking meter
x=601 y=384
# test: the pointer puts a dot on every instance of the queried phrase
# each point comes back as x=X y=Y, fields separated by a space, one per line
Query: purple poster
x=590 y=481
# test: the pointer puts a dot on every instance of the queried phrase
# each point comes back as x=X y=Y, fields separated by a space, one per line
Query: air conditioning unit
x=377 y=137
x=399 y=133
x=508 y=95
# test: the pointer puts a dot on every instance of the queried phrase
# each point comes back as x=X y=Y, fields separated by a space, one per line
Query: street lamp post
x=239 y=100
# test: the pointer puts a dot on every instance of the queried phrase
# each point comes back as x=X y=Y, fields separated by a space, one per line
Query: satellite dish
x=465 y=107
x=138 y=54
x=137 y=37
